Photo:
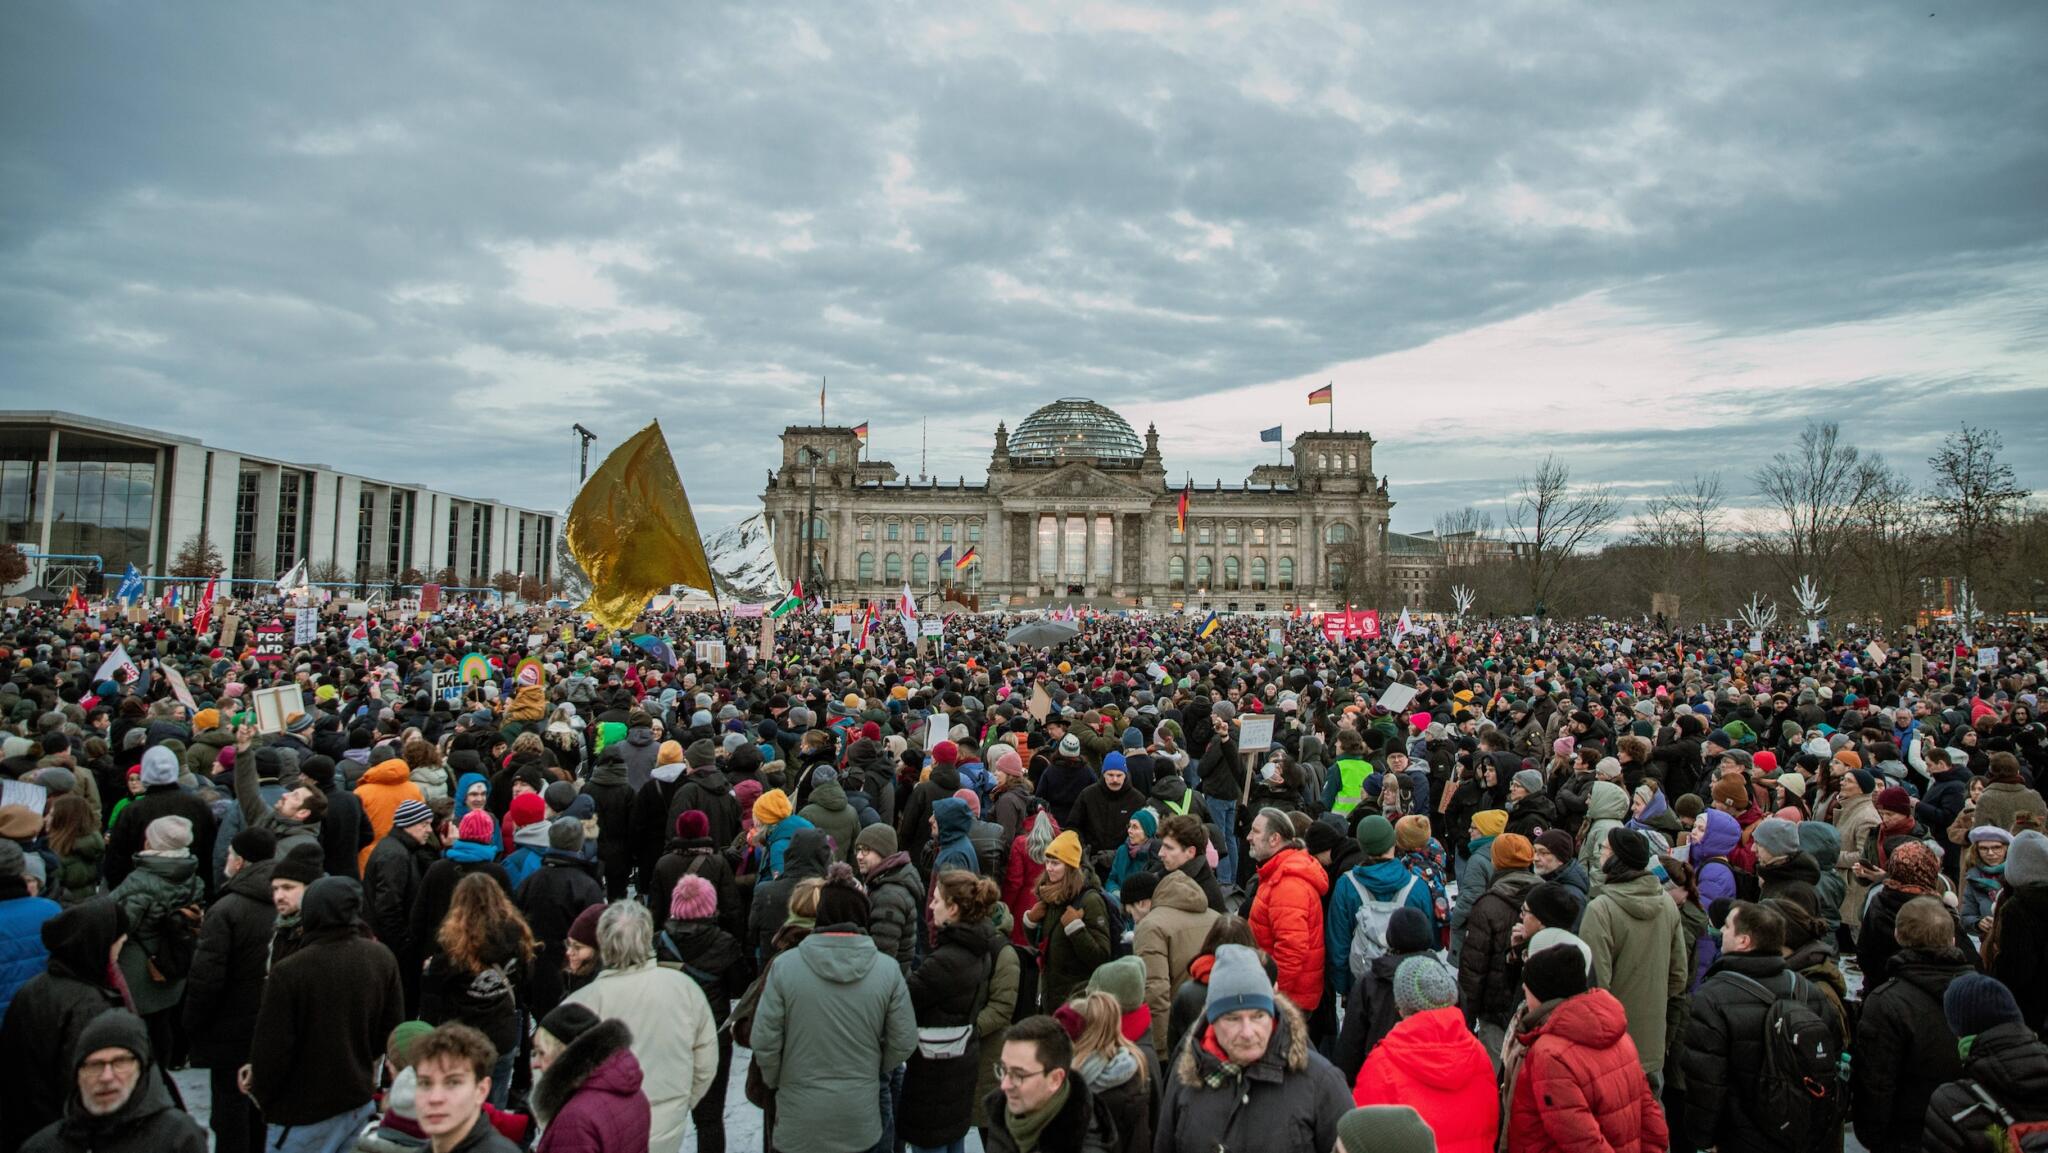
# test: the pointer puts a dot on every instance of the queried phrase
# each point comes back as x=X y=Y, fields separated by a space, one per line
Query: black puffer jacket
x=1904 y=1049
x=938 y=1093
x=226 y=982
x=808 y=855
x=913 y=824
x=1287 y=1102
x=1531 y=815
x=708 y=791
x=550 y=900
x=701 y=857
x=614 y=797
x=1488 y=980
x=708 y=955
x=146 y=1123
x=2009 y=1063
x=391 y=885
x=1724 y=1042
x=1877 y=941
x=48 y=1013
x=895 y=908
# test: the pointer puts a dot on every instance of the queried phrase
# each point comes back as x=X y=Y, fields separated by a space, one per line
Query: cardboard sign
x=711 y=653
x=355 y=610
x=1987 y=658
x=1397 y=697
x=230 y=627
x=430 y=598
x=1876 y=654
x=176 y=680
x=842 y=622
x=306 y=626
x=767 y=647
x=276 y=705
x=1254 y=734
x=270 y=642
x=1040 y=704
x=935 y=729
x=448 y=685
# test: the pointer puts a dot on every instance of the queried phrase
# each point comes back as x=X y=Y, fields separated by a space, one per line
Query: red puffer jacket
x=1287 y=922
x=1433 y=1063
x=1582 y=1088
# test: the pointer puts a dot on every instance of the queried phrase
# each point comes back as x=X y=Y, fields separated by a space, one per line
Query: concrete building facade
x=73 y=486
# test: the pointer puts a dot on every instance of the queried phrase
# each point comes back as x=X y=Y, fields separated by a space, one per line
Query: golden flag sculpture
x=632 y=531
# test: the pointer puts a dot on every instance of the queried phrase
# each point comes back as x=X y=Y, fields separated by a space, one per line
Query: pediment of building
x=1080 y=481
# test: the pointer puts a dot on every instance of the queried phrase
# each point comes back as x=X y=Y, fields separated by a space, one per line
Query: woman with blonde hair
x=1119 y=1073
x=481 y=949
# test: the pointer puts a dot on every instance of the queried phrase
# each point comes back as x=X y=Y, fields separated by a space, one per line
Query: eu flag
x=1270 y=435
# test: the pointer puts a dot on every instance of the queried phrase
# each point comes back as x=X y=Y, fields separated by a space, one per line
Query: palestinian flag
x=788 y=605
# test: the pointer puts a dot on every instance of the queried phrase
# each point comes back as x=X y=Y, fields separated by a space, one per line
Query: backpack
x=2020 y=1136
x=706 y=980
x=1747 y=888
x=1799 y=1098
x=1369 y=930
x=177 y=941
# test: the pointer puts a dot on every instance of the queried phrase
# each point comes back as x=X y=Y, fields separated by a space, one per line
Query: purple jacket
x=1716 y=880
x=589 y=1100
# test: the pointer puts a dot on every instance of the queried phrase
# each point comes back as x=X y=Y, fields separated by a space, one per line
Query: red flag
x=204 y=616
x=73 y=602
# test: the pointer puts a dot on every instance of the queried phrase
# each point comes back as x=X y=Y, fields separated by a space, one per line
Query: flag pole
x=1333 y=405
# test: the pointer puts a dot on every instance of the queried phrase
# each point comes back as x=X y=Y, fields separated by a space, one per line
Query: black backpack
x=1747 y=887
x=1799 y=1102
x=177 y=942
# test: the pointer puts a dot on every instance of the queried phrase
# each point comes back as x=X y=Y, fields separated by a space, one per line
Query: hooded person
x=2005 y=1071
x=1607 y=808
x=326 y=1014
x=118 y=1100
x=954 y=847
x=383 y=787
x=49 y=1013
x=829 y=810
x=1637 y=942
x=1431 y=1062
x=611 y=792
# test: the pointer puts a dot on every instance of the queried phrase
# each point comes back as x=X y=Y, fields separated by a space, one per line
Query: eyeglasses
x=126 y=1063
x=1008 y=1076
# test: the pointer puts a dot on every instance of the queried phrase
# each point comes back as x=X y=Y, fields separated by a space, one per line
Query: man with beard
x=118 y=1102
x=1102 y=813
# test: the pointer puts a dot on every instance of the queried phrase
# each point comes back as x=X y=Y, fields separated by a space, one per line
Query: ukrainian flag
x=1209 y=626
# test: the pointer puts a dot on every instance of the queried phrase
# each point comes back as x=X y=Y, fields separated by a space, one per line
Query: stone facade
x=1080 y=514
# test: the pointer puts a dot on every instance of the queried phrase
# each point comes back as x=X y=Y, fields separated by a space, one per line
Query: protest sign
x=1397 y=697
x=276 y=705
x=1254 y=734
x=306 y=626
x=270 y=641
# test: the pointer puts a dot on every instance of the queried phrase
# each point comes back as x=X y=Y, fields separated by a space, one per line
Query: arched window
x=892 y=568
x=867 y=566
x=1322 y=462
x=1351 y=462
x=1230 y=572
x=920 y=569
x=1259 y=573
x=1339 y=533
x=817 y=529
x=831 y=456
x=1287 y=573
x=1177 y=573
x=1205 y=570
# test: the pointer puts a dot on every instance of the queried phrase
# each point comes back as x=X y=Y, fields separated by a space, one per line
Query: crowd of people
x=1165 y=888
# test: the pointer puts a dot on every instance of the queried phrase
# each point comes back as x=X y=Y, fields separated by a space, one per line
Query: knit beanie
x=1124 y=979
x=877 y=838
x=1559 y=843
x=1630 y=847
x=559 y=796
x=1894 y=800
x=1138 y=887
x=1555 y=972
x=1490 y=822
x=1551 y=935
x=409 y=813
x=583 y=930
x=1849 y=757
x=1423 y=983
x=1553 y=903
x=1865 y=781
x=1793 y=783
x=1409 y=930
x=525 y=809
x=305 y=868
x=945 y=753
x=671 y=752
x=1779 y=837
x=1733 y=792
x=1376 y=836
x=1688 y=807
x=566 y=834
x=841 y=902
x=404 y=1035
x=1324 y=834
x=1146 y=818
x=693 y=824
x=571 y=1019
x=1511 y=851
x=1530 y=780
x=253 y=845
x=477 y=826
x=1385 y=1129
x=1411 y=833
x=1237 y=981
x=693 y=900
x=1006 y=762
x=1975 y=1002
x=168 y=835
x=1066 y=849
x=701 y=753
x=772 y=808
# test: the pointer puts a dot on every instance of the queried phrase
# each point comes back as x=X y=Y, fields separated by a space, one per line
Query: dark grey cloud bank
x=418 y=241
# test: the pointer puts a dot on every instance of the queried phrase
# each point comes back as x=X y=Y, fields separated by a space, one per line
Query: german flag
x=1180 y=512
x=1321 y=395
x=966 y=558
x=861 y=431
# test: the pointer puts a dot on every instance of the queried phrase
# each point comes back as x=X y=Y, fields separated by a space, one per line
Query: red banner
x=1358 y=625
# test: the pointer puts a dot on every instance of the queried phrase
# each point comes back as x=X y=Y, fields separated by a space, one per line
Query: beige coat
x=1855 y=818
x=1167 y=941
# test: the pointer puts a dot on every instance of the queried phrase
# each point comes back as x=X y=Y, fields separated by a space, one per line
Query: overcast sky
x=418 y=241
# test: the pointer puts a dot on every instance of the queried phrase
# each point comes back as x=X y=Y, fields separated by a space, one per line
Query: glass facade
x=1073 y=427
x=247 y=486
x=104 y=496
x=291 y=506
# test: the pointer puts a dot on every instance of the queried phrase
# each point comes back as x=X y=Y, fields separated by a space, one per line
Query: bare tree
x=1550 y=520
x=1974 y=495
x=13 y=564
x=1680 y=533
x=1890 y=546
x=198 y=557
x=1358 y=573
x=1813 y=494
x=327 y=572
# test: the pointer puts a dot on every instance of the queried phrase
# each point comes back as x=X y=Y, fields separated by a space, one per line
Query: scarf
x=1026 y=1129
x=1100 y=1073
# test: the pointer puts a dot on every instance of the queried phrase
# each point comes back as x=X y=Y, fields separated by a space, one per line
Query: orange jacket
x=381 y=790
x=1432 y=1062
x=1287 y=922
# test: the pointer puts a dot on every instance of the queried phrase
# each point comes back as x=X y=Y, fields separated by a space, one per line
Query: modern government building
x=76 y=487
x=1078 y=508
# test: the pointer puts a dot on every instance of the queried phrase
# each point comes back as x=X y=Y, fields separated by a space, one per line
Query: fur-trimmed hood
x=1286 y=1053
x=600 y=1059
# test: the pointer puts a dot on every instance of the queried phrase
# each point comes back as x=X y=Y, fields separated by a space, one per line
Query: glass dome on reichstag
x=1074 y=426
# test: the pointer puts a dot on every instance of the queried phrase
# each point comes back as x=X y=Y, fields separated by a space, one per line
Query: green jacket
x=833 y=1019
x=80 y=871
x=829 y=811
x=150 y=896
x=1639 y=955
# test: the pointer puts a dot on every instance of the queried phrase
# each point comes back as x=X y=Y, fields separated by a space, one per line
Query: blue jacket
x=776 y=843
x=955 y=850
x=1383 y=879
x=22 y=954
